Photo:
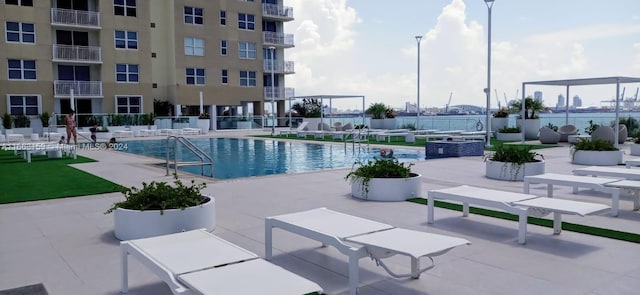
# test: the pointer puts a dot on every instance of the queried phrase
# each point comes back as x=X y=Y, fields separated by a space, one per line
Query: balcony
x=79 y=54
x=278 y=93
x=62 y=88
x=279 y=67
x=277 y=39
x=277 y=12
x=75 y=18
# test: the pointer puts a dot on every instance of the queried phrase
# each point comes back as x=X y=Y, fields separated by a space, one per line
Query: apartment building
x=117 y=56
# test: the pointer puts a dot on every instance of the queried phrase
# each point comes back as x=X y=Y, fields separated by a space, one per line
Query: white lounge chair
x=576 y=181
x=198 y=262
x=615 y=172
x=522 y=205
x=358 y=237
x=301 y=127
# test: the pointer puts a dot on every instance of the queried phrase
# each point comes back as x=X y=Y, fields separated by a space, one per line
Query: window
x=223 y=18
x=246 y=21
x=126 y=39
x=195 y=76
x=19 y=2
x=22 y=69
x=127 y=73
x=24 y=105
x=194 y=46
x=124 y=7
x=193 y=15
x=247 y=50
x=20 y=32
x=225 y=76
x=248 y=78
x=223 y=47
x=128 y=104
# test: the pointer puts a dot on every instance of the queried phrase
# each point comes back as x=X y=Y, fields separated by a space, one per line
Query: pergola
x=330 y=97
x=583 y=82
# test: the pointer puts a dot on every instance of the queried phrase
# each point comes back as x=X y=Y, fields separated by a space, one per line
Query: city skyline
x=353 y=47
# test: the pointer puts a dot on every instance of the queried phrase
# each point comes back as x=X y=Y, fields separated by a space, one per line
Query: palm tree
x=531 y=106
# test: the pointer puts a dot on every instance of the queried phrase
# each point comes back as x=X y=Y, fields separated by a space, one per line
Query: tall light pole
x=418 y=39
x=487 y=90
x=272 y=50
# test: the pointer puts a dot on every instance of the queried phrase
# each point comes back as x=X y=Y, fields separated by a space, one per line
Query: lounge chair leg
x=636 y=200
x=430 y=203
x=557 y=223
x=615 y=202
x=522 y=228
x=268 y=231
x=415 y=268
x=353 y=273
x=465 y=209
x=550 y=190
x=125 y=270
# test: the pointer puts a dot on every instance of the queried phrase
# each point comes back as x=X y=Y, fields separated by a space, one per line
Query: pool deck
x=68 y=244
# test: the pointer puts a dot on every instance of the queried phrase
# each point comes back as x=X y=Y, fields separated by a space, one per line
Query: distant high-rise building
x=560 y=103
x=537 y=95
x=577 y=102
x=410 y=107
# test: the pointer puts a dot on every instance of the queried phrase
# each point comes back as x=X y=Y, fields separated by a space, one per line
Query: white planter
x=508 y=136
x=389 y=123
x=26 y=131
x=203 y=125
x=635 y=149
x=511 y=171
x=136 y=224
x=597 y=158
x=8 y=131
x=103 y=135
x=376 y=123
x=389 y=189
x=499 y=123
x=531 y=128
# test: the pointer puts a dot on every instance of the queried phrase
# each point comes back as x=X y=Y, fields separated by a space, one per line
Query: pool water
x=240 y=157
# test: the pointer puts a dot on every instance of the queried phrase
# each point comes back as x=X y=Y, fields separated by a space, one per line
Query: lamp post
x=273 y=88
x=487 y=90
x=418 y=39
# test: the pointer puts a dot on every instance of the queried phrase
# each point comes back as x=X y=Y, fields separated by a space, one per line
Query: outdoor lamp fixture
x=487 y=90
x=418 y=39
x=272 y=50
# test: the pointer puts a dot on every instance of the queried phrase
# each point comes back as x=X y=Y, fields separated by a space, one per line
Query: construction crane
x=446 y=108
x=506 y=101
x=636 y=96
x=498 y=99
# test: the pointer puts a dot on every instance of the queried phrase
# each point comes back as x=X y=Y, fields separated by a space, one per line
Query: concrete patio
x=68 y=244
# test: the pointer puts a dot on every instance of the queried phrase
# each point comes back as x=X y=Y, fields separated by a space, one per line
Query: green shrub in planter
x=509 y=130
x=513 y=154
x=593 y=145
x=378 y=168
x=161 y=196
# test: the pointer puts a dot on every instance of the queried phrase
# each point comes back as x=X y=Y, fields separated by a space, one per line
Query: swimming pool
x=245 y=157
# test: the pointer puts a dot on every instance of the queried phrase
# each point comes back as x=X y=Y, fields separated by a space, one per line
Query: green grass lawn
x=46 y=178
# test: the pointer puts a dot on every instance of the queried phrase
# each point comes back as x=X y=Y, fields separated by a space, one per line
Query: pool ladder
x=205 y=159
x=358 y=137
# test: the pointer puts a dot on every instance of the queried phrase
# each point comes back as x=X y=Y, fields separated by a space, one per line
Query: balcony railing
x=81 y=18
x=277 y=39
x=278 y=93
x=277 y=11
x=285 y=67
x=62 y=88
x=77 y=53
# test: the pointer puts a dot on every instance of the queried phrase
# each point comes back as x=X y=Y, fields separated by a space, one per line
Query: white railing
x=278 y=93
x=80 y=88
x=279 y=66
x=77 y=53
x=277 y=11
x=75 y=17
x=277 y=38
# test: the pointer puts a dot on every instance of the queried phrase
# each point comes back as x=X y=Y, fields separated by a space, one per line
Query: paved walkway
x=68 y=244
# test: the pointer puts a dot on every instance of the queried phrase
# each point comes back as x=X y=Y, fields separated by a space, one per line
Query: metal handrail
x=205 y=159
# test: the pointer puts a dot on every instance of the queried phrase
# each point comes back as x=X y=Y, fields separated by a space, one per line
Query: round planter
x=635 y=149
x=136 y=224
x=508 y=136
x=499 y=123
x=531 y=127
x=511 y=171
x=597 y=158
x=389 y=189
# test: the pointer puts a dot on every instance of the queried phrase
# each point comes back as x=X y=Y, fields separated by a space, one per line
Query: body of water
x=236 y=158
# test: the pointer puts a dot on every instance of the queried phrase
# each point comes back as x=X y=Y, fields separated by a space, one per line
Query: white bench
x=576 y=182
x=15 y=137
x=52 y=136
x=122 y=133
x=630 y=174
x=519 y=204
x=191 y=131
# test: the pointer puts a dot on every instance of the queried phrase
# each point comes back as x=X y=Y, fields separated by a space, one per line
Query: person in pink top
x=70 y=122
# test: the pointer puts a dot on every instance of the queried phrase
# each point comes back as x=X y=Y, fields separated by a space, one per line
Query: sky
x=368 y=47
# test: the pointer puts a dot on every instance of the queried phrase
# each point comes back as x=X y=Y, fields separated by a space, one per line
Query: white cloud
x=585 y=33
